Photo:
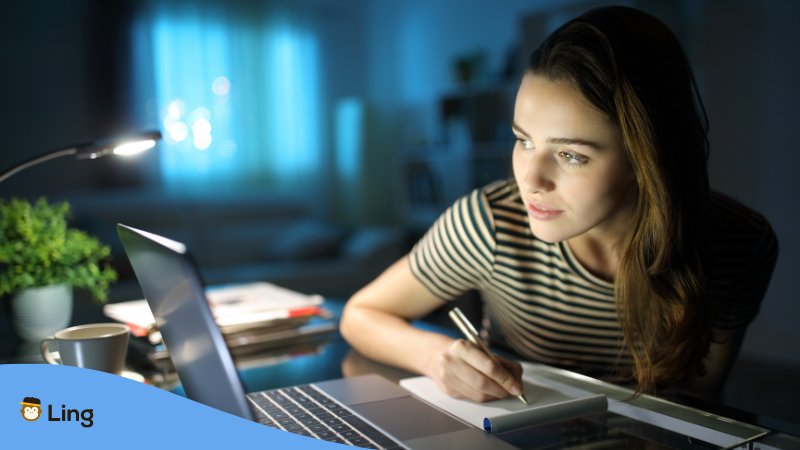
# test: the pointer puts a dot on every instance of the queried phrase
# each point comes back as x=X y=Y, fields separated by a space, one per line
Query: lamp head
x=123 y=146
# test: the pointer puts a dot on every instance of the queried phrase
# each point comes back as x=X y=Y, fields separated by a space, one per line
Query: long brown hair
x=632 y=67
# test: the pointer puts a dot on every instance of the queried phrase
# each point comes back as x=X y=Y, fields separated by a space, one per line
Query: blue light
x=239 y=98
x=349 y=137
x=292 y=58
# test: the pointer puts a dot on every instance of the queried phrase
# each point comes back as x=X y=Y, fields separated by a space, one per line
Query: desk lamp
x=123 y=146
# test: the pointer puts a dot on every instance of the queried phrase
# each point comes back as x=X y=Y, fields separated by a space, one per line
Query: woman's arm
x=376 y=323
x=722 y=353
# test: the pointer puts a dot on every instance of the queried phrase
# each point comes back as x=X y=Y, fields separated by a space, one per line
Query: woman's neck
x=598 y=250
x=597 y=256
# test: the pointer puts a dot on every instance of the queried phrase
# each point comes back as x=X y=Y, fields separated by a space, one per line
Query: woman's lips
x=543 y=212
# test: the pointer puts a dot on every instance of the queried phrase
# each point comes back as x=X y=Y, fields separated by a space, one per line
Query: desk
x=332 y=358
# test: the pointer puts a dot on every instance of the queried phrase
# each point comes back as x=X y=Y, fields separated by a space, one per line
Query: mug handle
x=45 y=348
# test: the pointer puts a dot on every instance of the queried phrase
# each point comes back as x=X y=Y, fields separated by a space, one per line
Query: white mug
x=98 y=346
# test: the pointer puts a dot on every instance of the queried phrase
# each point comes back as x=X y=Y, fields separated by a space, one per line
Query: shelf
x=477 y=150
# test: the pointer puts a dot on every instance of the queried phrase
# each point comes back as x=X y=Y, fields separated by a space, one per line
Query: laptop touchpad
x=407 y=418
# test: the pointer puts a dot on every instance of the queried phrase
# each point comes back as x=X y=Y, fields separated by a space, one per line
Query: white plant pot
x=39 y=312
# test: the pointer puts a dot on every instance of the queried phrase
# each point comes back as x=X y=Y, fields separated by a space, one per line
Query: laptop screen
x=175 y=293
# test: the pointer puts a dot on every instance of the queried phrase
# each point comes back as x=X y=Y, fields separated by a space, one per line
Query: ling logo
x=31 y=408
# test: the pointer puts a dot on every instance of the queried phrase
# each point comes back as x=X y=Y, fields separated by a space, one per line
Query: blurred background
x=311 y=142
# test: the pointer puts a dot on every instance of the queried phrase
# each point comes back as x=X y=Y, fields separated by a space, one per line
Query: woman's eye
x=572 y=159
x=526 y=144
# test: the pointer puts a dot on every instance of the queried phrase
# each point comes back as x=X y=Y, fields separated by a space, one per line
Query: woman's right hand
x=465 y=371
x=376 y=323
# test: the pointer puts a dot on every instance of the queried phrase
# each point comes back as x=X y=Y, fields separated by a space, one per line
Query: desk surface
x=331 y=357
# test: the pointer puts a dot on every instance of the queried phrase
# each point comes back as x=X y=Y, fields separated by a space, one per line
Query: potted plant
x=41 y=260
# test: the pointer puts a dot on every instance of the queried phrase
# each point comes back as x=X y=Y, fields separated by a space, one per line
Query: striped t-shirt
x=542 y=304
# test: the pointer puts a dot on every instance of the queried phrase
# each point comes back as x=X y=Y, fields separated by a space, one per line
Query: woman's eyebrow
x=561 y=140
x=575 y=141
x=518 y=129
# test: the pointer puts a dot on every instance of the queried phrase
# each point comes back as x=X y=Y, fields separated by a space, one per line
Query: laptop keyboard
x=307 y=411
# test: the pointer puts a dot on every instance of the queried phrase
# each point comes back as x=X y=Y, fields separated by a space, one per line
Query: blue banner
x=50 y=406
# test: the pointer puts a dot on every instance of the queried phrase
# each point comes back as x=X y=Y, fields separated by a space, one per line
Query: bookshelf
x=475 y=150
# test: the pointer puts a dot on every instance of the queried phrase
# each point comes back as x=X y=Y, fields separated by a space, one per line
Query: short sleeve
x=745 y=250
x=456 y=254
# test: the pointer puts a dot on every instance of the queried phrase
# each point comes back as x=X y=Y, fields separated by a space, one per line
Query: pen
x=472 y=335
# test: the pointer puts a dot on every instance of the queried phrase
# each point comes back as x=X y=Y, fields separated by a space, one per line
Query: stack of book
x=253 y=318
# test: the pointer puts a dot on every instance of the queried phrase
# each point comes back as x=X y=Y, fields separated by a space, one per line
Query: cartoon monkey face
x=31 y=412
x=31 y=408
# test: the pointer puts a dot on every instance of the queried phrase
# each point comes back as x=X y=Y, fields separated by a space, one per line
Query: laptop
x=367 y=411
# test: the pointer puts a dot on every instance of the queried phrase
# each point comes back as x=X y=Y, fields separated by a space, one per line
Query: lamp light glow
x=134 y=148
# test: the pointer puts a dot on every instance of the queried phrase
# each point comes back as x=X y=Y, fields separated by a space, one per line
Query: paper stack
x=252 y=317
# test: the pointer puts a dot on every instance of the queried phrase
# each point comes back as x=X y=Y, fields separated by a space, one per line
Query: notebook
x=367 y=411
x=546 y=405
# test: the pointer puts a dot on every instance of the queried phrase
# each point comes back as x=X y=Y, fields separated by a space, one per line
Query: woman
x=606 y=254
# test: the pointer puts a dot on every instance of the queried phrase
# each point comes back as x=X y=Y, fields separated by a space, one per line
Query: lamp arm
x=87 y=150
x=37 y=160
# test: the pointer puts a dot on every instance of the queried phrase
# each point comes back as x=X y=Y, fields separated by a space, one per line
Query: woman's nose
x=539 y=174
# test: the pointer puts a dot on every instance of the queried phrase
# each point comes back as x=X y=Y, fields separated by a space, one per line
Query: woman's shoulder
x=734 y=224
x=485 y=208
x=743 y=250
x=741 y=241
x=502 y=194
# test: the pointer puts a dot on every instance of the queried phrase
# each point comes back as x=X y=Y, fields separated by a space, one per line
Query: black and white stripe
x=545 y=306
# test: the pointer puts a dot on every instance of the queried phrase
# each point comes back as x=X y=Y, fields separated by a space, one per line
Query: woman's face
x=569 y=164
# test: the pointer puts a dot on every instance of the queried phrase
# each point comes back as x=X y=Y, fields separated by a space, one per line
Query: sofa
x=244 y=238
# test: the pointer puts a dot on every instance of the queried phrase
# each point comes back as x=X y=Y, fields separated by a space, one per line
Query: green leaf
x=37 y=249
